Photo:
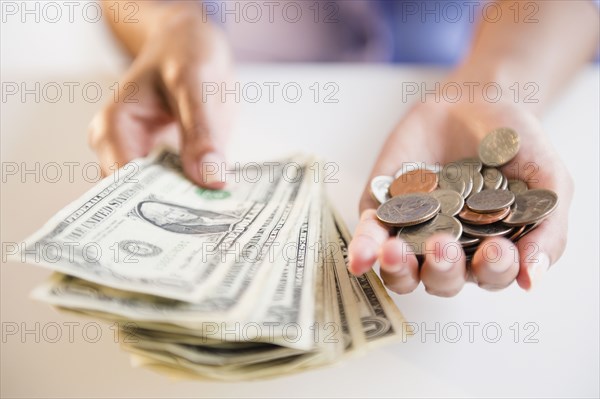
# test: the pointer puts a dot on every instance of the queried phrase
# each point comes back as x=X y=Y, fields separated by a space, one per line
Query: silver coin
x=486 y=230
x=451 y=178
x=467 y=241
x=499 y=146
x=468 y=186
x=492 y=178
x=451 y=202
x=504 y=185
x=408 y=209
x=488 y=201
x=517 y=186
x=532 y=206
x=477 y=183
x=415 y=236
x=379 y=188
x=471 y=165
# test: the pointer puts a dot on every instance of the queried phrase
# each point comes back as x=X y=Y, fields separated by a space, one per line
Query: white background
x=565 y=309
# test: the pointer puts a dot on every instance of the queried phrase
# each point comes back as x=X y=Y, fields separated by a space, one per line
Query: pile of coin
x=471 y=199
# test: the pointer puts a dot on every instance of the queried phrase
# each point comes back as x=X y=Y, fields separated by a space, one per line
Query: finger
x=117 y=137
x=201 y=118
x=542 y=247
x=444 y=270
x=539 y=249
x=370 y=234
x=495 y=265
x=399 y=268
x=367 y=239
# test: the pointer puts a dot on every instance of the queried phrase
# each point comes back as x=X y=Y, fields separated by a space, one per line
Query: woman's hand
x=162 y=98
x=442 y=133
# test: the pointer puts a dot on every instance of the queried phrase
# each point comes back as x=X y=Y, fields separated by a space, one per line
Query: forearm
x=149 y=17
x=545 y=52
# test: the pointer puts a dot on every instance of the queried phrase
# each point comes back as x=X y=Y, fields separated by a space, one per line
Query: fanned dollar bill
x=249 y=282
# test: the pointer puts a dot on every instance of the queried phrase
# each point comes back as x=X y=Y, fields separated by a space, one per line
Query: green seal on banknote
x=213 y=194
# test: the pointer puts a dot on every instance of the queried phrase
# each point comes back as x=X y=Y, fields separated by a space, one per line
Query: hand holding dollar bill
x=242 y=283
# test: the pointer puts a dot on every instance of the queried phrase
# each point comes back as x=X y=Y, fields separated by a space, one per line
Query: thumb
x=202 y=126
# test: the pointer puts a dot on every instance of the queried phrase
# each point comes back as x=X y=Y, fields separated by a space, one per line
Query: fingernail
x=349 y=265
x=537 y=268
x=211 y=166
x=442 y=264
x=395 y=268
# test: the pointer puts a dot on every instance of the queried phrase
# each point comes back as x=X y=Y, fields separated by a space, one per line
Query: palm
x=442 y=133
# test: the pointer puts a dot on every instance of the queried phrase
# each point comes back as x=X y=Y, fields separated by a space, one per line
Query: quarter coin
x=415 y=236
x=532 y=206
x=408 y=209
x=486 y=230
x=488 y=201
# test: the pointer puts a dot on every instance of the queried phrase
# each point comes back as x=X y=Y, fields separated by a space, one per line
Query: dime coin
x=451 y=202
x=415 y=181
x=492 y=178
x=467 y=241
x=532 y=206
x=517 y=186
x=486 y=230
x=483 y=218
x=499 y=146
x=488 y=201
x=451 y=181
x=504 y=185
x=408 y=209
x=472 y=165
x=379 y=188
x=477 y=183
x=468 y=186
x=415 y=236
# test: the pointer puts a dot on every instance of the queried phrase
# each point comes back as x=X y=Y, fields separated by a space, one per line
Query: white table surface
x=564 y=310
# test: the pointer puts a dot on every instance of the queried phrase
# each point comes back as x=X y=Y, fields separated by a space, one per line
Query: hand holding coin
x=502 y=198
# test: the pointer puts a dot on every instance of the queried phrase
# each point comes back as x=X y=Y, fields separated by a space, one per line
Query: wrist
x=495 y=82
x=174 y=18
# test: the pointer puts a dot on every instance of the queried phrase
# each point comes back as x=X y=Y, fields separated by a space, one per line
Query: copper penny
x=483 y=218
x=516 y=233
x=415 y=181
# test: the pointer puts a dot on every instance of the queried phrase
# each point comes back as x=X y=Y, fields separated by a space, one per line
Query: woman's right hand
x=163 y=98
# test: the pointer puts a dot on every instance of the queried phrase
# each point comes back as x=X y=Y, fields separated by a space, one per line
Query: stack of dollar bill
x=246 y=282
